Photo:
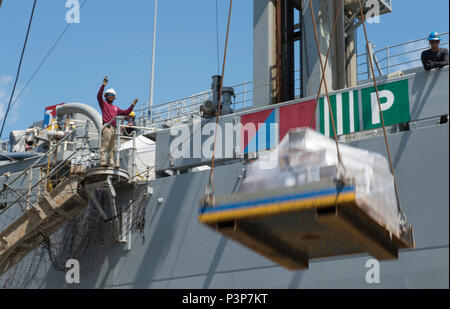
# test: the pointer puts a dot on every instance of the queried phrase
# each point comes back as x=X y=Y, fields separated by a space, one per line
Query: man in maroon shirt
x=109 y=111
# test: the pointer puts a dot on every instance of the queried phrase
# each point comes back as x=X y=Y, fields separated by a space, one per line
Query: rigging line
x=217 y=37
x=326 y=61
x=44 y=59
x=19 y=67
x=211 y=181
x=325 y=83
x=403 y=219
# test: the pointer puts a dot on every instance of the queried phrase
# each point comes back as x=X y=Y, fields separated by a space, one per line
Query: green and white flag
x=345 y=110
x=394 y=101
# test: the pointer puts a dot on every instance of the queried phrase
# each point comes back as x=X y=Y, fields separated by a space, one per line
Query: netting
x=87 y=238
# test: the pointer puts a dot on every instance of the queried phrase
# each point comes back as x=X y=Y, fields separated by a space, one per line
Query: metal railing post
x=20 y=195
x=245 y=93
x=369 y=55
x=133 y=160
x=118 y=119
x=387 y=59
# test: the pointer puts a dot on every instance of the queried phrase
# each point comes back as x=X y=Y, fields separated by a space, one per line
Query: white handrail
x=176 y=109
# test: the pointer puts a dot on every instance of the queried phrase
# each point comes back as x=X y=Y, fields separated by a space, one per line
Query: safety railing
x=396 y=57
x=389 y=59
x=125 y=153
x=184 y=109
x=23 y=190
x=125 y=157
x=70 y=154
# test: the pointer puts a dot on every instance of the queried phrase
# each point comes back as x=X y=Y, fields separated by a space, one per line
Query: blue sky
x=114 y=38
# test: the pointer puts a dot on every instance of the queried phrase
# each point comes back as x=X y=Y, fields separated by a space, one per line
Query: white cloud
x=5 y=79
x=412 y=55
x=6 y=84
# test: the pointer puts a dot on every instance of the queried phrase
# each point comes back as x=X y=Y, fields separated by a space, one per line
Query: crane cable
x=210 y=188
x=44 y=59
x=340 y=164
x=403 y=218
x=18 y=69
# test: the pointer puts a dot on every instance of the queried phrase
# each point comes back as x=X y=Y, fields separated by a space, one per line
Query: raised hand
x=135 y=101
x=105 y=81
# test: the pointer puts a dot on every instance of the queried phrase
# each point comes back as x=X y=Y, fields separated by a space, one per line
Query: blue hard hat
x=434 y=36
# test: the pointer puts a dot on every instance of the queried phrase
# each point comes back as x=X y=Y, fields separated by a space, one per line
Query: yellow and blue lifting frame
x=295 y=224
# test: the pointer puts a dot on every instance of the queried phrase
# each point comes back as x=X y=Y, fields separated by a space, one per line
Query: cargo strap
x=402 y=215
x=210 y=189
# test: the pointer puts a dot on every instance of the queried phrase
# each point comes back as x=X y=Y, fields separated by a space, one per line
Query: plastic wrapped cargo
x=306 y=156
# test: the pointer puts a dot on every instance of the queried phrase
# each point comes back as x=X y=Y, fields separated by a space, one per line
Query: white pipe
x=81 y=108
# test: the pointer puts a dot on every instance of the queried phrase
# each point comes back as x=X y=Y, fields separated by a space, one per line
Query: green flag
x=345 y=112
x=394 y=101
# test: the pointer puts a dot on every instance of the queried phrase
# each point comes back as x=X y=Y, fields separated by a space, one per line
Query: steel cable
x=403 y=218
x=18 y=68
x=210 y=188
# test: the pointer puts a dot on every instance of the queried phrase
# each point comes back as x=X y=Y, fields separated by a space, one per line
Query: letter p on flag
x=394 y=102
x=384 y=106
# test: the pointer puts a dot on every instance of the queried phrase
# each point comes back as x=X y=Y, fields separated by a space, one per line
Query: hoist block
x=292 y=225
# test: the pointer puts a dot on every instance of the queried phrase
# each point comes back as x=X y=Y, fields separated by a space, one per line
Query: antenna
x=152 y=79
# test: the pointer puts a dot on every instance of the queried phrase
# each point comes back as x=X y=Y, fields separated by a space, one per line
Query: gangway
x=40 y=221
x=65 y=180
x=54 y=209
